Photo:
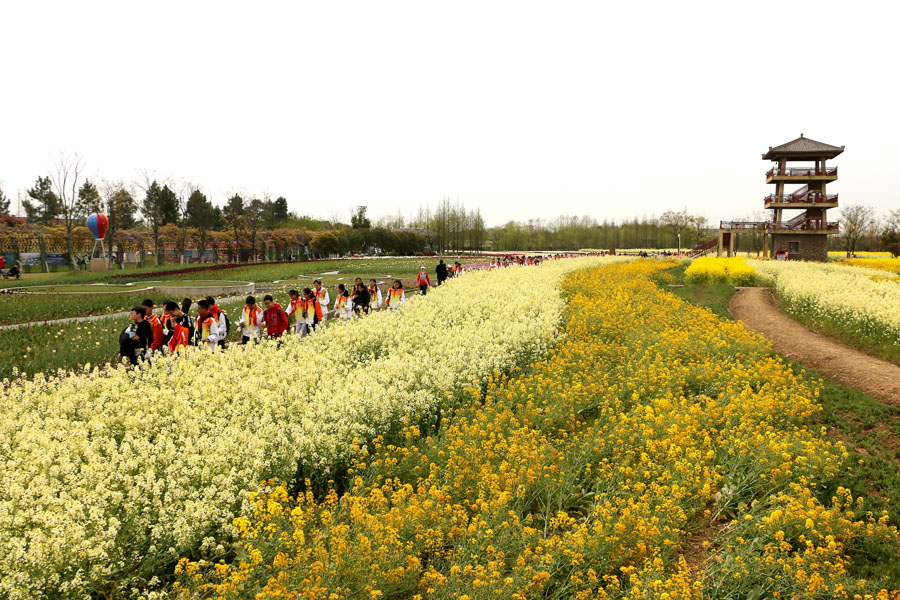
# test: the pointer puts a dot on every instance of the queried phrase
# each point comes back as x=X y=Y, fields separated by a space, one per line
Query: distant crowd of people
x=305 y=312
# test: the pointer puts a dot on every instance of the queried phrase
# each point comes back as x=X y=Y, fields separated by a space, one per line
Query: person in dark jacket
x=361 y=298
x=441 y=272
x=135 y=340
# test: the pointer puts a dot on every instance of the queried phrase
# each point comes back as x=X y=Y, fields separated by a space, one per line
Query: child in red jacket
x=275 y=317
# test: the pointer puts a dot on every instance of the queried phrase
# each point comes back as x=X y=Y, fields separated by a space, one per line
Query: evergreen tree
x=89 y=200
x=168 y=206
x=4 y=203
x=46 y=206
x=358 y=219
x=199 y=215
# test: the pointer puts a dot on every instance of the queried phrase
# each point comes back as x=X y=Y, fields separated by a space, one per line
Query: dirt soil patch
x=756 y=308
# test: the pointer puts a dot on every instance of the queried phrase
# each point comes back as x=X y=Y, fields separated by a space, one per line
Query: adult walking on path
x=423 y=281
x=441 y=272
x=757 y=310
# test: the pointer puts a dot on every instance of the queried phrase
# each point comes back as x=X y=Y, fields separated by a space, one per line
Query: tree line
x=166 y=211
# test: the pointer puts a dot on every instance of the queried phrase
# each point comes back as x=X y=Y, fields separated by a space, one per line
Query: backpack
x=227 y=322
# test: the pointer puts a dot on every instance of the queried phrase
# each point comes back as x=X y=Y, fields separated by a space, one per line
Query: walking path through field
x=757 y=310
x=63 y=321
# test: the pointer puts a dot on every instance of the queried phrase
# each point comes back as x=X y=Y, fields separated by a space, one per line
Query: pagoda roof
x=803 y=147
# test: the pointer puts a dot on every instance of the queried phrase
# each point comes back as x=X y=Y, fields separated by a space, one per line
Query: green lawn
x=396 y=267
x=29 y=308
x=714 y=297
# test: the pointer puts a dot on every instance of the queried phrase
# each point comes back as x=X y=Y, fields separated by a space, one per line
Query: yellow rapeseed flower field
x=882 y=264
x=107 y=476
x=582 y=476
x=711 y=269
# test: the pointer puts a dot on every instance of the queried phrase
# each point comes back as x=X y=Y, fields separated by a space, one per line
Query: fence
x=39 y=253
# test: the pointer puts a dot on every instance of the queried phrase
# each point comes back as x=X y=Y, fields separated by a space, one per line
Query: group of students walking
x=149 y=333
x=306 y=311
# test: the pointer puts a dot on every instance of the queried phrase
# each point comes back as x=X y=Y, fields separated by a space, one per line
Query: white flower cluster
x=867 y=300
x=110 y=476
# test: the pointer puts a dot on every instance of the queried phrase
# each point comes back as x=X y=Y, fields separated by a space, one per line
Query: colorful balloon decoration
x=98 y=224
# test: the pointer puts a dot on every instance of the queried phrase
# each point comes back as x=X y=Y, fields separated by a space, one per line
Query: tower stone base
x=802 y=246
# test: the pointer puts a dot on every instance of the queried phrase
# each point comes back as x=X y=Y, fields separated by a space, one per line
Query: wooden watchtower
x=805 y=235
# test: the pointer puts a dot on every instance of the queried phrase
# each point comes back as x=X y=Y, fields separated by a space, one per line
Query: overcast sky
x=525 y=109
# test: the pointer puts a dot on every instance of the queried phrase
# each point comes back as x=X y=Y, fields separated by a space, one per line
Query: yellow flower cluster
x=882 y=264
x=863 y=254
x=109 y=474
x=580 y=477
x=710 y=269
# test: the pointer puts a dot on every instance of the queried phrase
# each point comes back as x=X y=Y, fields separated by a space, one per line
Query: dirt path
x=757 y=309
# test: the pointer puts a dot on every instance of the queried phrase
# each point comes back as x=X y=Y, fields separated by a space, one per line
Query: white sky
x=525 y=109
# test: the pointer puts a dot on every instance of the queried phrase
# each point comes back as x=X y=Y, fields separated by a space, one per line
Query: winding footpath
x=757 y=309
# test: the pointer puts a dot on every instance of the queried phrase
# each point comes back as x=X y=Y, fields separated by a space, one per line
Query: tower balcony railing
x=802 y=172
x=802 y=225
x=808 y=198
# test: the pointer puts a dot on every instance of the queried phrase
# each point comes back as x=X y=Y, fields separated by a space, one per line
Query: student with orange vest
x=164 y=319
x=175 y=318
x=181 y=336
x=207 y=328
x=221 y=320
x=293 y=310
x=343 y=304
x=178 y=327
x=423 y=281
x=321 y=295
x=375 y=297
x=311 y=313
x=250 y=320
x=396 y=296
x=155 y=325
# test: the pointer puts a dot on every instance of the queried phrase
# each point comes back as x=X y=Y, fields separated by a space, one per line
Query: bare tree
x=118 y=202
x=892 y=221
x=66 y=172
x=856 y=221
x=183 y=191
x=698 y=226
x=676 y=223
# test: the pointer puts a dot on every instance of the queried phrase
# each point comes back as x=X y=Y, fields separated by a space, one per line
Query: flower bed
x=708 y=269
x=593 y=474
x=108 y=477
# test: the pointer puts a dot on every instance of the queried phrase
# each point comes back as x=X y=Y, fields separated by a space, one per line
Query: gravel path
x=758 y=310
x=63 y=321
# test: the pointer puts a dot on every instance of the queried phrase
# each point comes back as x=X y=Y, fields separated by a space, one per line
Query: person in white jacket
x=375 y=297
x=293 y=308
x=343 y=303
x=321 y=295
x=207 y=328
x=221 y=320
x=250 y=320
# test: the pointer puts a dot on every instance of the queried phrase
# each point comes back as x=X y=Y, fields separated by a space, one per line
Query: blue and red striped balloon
x=98 y=224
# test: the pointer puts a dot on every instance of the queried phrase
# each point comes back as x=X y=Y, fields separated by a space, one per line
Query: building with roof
x=804 y=236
